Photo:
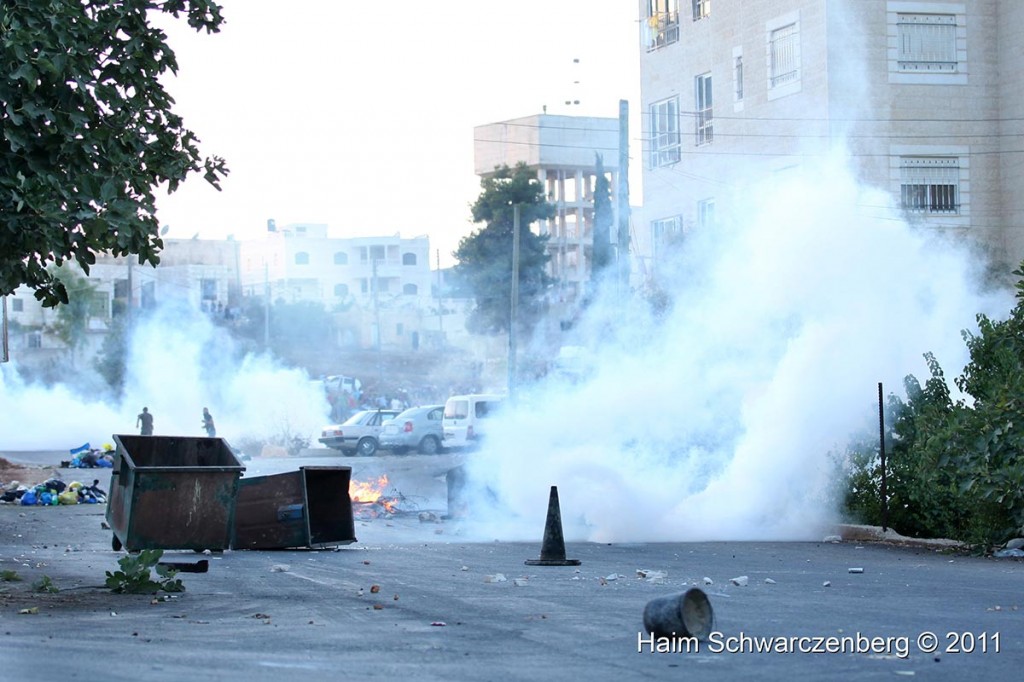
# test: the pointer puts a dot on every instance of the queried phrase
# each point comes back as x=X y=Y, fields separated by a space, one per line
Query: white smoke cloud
x=178 y=362
x=717 y=422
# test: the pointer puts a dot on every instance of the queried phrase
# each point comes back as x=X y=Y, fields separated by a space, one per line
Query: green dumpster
x=172 y=492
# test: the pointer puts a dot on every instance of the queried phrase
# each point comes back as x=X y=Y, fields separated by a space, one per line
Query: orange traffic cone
x=552 y=551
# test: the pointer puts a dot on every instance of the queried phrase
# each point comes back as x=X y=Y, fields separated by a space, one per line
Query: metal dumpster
x=310 y=507
x=172 y=492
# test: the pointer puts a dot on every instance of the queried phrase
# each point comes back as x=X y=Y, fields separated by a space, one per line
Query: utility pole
x=131 y=292
x=4 y=357
x=440 y=300
x=514 y=304
x=266 y=306
x=622 y=194
x=376 y=315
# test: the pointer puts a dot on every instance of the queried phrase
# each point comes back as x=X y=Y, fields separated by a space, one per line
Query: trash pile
x=53 y=492
x=88 y=457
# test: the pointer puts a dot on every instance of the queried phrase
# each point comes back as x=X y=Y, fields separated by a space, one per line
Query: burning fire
x=372 y=493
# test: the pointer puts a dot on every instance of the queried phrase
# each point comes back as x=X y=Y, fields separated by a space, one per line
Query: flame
x=368 y=492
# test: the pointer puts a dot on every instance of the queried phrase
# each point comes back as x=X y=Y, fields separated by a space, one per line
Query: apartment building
x=300 y=262
x=562 y=151
x=926 y=96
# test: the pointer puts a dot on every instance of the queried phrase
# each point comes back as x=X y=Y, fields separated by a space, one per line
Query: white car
x=357 y=434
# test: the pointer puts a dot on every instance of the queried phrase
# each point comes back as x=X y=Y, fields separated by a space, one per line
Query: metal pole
x=881 y=451
x=4 y=357
x=514 y=304
x=622 y=196
x=440 y=300
x=376 y=315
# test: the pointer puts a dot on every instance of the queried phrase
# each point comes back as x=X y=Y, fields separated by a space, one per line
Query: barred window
x=785 y=56
x=930 y=184
x=927 y=42
x=662 y=23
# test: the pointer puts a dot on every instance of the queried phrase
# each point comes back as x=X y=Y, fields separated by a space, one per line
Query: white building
x=301 y=263
x=926 y=95
x=562 y=151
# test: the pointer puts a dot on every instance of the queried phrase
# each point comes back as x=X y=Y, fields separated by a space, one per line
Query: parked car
x=465 y=418
x=418 y=428
x=358 y=433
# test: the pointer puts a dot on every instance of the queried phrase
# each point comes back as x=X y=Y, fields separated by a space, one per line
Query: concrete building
x=301 y=263
x=926 y=96
x=562 y=150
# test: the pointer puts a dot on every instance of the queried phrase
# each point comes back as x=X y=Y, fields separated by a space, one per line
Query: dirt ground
x=26 y=475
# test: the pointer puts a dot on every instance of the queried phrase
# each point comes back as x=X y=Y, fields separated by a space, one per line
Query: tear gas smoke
x=178 y=362
x=717 y=421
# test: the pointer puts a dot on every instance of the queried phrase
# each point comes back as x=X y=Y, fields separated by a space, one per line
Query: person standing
x=145 y=419
x=211 y=430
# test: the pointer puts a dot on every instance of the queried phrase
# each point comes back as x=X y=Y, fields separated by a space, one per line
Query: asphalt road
x=453 y=610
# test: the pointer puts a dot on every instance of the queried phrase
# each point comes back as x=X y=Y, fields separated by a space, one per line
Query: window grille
x=662 y=23
x=930 y=185
x=784 y=55
x=927 y=42
x=737 y=76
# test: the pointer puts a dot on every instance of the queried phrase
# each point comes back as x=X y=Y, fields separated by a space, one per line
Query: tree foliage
x=956 y=467
x=88 y=134
x=72 y=320
x=604 y=218
x=485 y=256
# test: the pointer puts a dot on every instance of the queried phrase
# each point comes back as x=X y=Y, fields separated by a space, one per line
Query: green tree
x=604 y=217
x=88 y=134
x=72 y=320
x=485 y=256
x=956 y=467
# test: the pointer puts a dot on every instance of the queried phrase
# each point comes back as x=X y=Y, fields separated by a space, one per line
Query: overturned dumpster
x=309 y=508
x=172 y=492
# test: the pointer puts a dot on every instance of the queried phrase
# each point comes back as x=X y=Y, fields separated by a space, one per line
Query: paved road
x=443 y=611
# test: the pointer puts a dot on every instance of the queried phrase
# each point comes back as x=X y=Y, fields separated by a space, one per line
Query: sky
x=361 y=115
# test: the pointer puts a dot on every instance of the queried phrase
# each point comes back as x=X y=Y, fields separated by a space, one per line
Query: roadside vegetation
x=954 y=466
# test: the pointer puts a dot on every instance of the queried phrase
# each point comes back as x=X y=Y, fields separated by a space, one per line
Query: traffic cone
x=552 y=551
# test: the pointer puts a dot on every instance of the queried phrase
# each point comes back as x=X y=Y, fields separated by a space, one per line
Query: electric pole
x=514 y=304
x=622 y=194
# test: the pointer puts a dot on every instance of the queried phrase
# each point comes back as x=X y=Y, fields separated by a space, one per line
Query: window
x=701 y=9
x=410 y=289
x=340 y=258
x=662 y=23
x=926 y=43
x=737 y=77
x=784 y=55
x=302 y=258
x=17 y=305
x=706 y=213
x=98 y=304
x=664 y=231
x=372 y=253
x=704 y=108
x=399 y=329
x=408 y=259
x=208 y=289
x=665 y=132
x=341 y=290
x=930 y=184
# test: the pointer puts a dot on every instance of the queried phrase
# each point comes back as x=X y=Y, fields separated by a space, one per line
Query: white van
x=465 y=418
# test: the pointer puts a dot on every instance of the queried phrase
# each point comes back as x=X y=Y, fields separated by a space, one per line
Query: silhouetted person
x=146 y=420
x=211 y=430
